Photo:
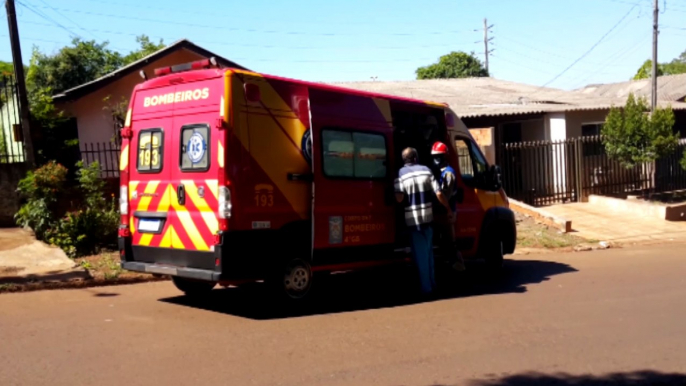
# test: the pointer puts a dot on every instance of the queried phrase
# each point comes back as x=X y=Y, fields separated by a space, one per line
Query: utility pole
x=486 y=40
x=21 y=83
x=653 y=96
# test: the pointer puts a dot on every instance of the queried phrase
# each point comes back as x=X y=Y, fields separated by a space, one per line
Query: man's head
x=439 y=151
x=410 y=156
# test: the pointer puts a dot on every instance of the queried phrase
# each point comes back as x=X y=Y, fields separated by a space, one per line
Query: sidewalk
x=24 y=259
x=597 y=223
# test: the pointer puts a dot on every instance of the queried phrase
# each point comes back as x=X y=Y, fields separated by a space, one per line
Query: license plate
x=149 y=225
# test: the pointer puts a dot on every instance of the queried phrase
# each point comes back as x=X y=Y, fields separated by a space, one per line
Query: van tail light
x=224 y=210
x=123 y=200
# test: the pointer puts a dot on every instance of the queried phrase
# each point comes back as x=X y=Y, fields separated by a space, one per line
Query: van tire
x=192 y=287
x=494 y=252
x=291 y=281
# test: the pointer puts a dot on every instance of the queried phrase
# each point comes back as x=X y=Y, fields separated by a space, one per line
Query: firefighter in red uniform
x=444 y=216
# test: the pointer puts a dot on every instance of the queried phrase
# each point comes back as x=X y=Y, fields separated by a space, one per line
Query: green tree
x=675 y=67
x=147 y=48
x=631 y=136
x=646 y=70
x=71 y=66
x=453 y=65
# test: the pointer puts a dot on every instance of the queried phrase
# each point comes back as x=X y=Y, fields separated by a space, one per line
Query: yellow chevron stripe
x=146 y=238
x=213 y=186
x=124 y=160
x=187 y=222
x=167 y=238
x=133 y=185
x=149 y=189
x=132 y=228
x=206 y=212
x=166 y=199
x=176 y=241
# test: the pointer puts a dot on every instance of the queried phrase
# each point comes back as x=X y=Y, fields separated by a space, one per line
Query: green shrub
x=41 y=189
x=81 y=232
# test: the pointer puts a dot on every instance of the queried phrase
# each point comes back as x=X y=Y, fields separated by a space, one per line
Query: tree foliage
x=71 y=66
x=79 y=63
x=453 y=65
x=147 y=48
x=675 y=67
x=631 y=136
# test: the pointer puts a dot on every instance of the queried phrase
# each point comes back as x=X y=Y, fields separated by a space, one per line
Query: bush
x=42 y=189
x=78 y=233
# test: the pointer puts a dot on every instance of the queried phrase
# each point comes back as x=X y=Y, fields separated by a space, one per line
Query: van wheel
x=495 y=255
x=296 y=279
x=193 y=287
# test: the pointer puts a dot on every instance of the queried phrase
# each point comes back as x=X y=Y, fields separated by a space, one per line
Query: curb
x=76 y=284
x=542 y=216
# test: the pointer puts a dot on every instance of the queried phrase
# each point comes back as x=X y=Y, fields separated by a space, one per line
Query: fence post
x=579 y=151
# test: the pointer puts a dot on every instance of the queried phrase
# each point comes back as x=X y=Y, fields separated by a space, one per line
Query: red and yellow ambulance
x=230 y=176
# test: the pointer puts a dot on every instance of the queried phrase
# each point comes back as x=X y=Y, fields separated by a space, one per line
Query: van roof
x=212 y=73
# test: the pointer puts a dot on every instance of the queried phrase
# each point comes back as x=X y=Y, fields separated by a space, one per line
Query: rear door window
x=150 y=151
x=194 y=150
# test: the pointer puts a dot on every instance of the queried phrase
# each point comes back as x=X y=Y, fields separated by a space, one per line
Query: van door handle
x=181 y=194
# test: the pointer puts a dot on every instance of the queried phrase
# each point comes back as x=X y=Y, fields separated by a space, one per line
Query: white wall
x=557 y=130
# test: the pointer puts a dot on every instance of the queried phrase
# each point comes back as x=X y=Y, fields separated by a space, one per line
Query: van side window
x=150 y=151
x=348 y=154
x=194 y=148
x=471 y=162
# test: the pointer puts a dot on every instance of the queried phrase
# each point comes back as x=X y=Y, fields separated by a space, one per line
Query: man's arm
x=440 y=196
x=399 y=194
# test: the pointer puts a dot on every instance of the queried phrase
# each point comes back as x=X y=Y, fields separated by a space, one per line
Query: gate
x=13 y=165
x=549 y=172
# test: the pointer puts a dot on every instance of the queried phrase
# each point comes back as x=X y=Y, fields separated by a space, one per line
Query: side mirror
x=496 y=177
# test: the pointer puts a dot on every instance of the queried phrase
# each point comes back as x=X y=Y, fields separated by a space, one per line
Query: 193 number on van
x=264 y=200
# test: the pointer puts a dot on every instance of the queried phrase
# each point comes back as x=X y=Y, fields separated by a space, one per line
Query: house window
x=349 y=154
x=194 y=148
x=150 y=151
x=592 y=147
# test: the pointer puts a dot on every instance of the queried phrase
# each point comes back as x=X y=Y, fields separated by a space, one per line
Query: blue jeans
x=423 y=255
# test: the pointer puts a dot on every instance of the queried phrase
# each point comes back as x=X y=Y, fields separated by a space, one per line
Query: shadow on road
x=639 y=378
x=375 y=289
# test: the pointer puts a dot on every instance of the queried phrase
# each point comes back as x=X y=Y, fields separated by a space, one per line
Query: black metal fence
x=11 y=135
x=549 y=172
x=106 y=154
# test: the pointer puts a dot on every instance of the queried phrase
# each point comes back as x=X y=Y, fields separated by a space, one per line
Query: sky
x=559 y=43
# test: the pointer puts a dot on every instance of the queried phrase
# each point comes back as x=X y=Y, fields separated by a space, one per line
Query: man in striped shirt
x=416 y=187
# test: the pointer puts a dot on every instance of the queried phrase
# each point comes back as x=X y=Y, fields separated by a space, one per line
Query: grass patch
x=107 y=266
x=531 y=234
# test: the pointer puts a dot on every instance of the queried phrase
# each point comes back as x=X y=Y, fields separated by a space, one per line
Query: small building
x=516 y=112
x=548 y=160
x=91 y=104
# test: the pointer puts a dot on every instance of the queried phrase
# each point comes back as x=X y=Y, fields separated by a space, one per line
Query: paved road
x=613 y=317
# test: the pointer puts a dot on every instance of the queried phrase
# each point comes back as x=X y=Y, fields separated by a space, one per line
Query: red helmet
x=439 y=148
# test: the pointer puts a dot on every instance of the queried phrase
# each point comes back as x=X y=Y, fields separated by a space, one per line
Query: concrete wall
x=576 y=119
x=94 y=122
x=485 y=139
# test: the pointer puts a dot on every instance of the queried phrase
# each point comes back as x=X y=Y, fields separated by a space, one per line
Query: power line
x=61 y=14
x=250 y=45
x=253 y=30
x=592 y=47
x=44 y=16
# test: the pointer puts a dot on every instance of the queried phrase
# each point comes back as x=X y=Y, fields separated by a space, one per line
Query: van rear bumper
x=191 y=273
x=173 y=262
